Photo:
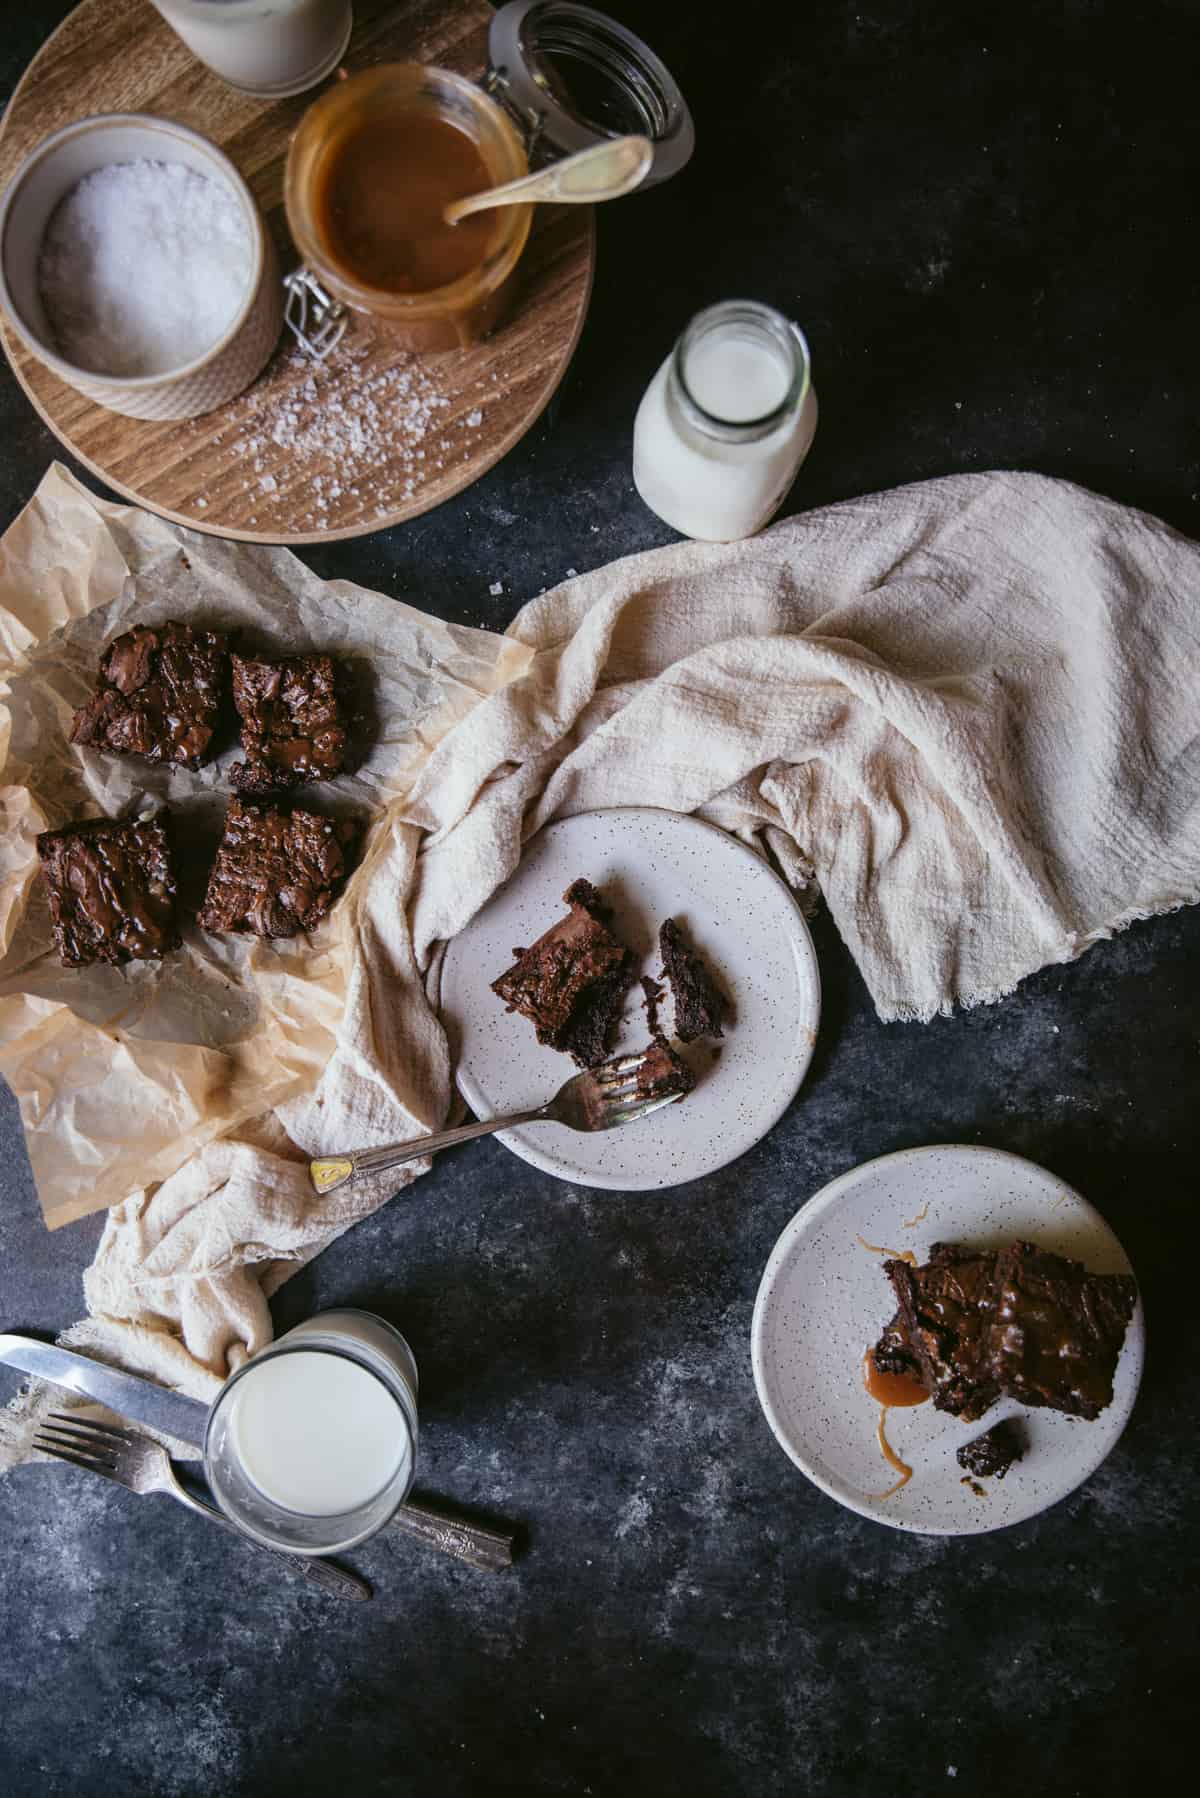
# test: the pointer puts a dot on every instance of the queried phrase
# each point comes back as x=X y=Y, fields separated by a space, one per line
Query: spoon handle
x=603 y=172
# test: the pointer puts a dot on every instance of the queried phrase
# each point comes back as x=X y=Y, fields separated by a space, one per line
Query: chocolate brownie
x=276 y=872
x=1056 y=1330
x=992 y=1454
x=571 y=983
x=700 y=1006
x=159 y=694
x=946 y=1309
x=294 y=720
x=111 y=887
x=663 y=1073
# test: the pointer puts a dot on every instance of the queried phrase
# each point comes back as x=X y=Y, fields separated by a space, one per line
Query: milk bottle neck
x=739 y=373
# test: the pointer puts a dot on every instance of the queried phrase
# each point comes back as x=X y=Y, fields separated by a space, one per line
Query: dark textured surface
x=983 y=218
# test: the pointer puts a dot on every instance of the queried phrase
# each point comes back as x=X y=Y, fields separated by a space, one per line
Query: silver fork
x=598 y=1099
x=143 y=1465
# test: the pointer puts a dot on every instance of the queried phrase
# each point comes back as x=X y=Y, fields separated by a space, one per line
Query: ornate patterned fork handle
x=491 y=1551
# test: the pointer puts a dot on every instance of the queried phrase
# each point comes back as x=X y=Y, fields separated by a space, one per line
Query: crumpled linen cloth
x=966 y=711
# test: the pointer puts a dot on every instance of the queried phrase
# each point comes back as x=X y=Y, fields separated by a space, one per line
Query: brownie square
x=294 y=722
x=1057 y=1330
x=159 y=694
x=945 y=1311
x=111 y=887
x=700 y=1006
x=991 y=1455
x=571 y=983
x=276 y=872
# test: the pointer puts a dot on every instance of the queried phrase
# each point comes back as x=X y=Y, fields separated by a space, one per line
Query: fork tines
x=80 y=1440
x=619 y=1075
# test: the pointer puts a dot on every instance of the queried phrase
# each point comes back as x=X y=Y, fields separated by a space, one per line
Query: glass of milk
x=267 y=47
x=312 y=1446
x=726 y=422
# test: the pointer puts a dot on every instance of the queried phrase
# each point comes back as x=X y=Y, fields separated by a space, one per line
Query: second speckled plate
x=649 y=865
x=824 y=1299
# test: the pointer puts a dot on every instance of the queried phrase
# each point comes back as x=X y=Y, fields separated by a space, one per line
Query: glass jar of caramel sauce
x=369 y=171
x=380 y=154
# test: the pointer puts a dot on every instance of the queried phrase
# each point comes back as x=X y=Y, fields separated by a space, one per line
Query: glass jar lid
x=571 y=76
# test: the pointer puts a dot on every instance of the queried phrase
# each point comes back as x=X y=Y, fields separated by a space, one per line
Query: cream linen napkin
x=967 y=711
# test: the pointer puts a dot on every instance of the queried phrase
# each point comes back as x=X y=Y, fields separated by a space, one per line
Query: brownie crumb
x=663 y=1072
x=652 y=991
x=992 y=1454
x=700 y=1006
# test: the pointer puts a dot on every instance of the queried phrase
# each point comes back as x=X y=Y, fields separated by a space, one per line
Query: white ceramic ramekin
x=39 y=184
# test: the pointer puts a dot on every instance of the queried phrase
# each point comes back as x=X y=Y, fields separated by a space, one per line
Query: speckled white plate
x=649 y=865
x=824 y=1299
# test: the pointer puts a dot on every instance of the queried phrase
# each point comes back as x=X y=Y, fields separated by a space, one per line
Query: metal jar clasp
x=316 y=320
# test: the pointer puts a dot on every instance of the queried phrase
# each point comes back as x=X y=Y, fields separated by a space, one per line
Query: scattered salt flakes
x=475 y=419
x=496 y=588
x=571 y=573
x=202 y=503
x=958 y=405
x=951 y=1772
x=346 y=426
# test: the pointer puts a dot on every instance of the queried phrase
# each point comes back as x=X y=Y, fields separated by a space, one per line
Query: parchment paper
x=123 y=1073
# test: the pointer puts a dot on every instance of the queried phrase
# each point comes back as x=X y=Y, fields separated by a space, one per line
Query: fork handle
x=332 y=1171
x=337 y=1581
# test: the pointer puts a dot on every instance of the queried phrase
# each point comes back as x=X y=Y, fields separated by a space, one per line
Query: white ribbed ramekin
x=49 y=172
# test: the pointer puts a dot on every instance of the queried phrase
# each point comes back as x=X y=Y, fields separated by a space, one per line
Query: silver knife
x=139 y=1400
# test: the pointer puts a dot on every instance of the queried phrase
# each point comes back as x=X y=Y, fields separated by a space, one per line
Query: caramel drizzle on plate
x=890 y=1456
x=892 y=1254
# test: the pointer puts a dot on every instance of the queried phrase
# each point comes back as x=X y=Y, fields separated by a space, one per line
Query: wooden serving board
x=311 y=452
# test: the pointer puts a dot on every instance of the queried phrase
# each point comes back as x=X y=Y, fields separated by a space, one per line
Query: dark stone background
x=983 y=217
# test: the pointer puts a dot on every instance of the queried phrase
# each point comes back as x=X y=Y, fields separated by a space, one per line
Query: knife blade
x=141 y=1401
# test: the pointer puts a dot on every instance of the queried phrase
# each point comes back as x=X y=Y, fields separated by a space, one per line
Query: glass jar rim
x=786 y=334
x=523 y=32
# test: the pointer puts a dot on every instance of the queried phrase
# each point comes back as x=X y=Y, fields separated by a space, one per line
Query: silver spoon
x=604 y=172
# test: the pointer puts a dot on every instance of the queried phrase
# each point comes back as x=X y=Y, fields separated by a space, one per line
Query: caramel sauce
x=910 y=1223
x=895 y=1390
x=891 y=1457
x=890 y=1392
x=379 y=200
x=892 y=1254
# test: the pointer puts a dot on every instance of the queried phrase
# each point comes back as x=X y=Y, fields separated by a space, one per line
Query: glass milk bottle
x=726 y=422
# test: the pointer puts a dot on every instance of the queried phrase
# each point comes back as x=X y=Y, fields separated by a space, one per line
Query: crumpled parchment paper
x=123 y=1073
